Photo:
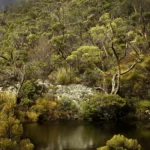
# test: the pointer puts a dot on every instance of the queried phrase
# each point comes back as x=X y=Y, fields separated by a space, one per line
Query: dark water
x=73 y=135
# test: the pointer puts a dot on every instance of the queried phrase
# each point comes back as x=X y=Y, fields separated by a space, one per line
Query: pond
x=74 y=135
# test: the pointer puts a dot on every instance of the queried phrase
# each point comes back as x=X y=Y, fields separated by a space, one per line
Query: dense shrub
x=26 y=145
x=64 y=76
x=6 y=97
x=91 y=77
x=50 y=109
x=67 y=104
x=43 y=109
x=43 y=105
x=11 y=129
x=119 y=142
x=143 y=109
x=144 y=104
x=7 y=144
x=30 y=91
x=32 y=116
x=103 y=107
x=67 y=108
x=26 y=101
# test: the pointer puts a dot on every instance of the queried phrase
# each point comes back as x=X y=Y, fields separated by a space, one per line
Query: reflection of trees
x=61 y=135
x=74 y=136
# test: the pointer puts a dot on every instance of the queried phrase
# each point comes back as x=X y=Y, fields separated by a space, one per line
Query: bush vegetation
x=64 y=76
x=11 y=129
x=103 y=44
x=120 y=142
x=105 y=107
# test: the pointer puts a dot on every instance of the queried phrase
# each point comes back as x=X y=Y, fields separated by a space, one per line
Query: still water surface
x=72 y=135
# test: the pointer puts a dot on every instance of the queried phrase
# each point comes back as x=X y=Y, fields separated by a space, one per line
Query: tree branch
x=131 y=67
x=113 y=83
x=114 y=51
x=100 y=88
x=3 y=57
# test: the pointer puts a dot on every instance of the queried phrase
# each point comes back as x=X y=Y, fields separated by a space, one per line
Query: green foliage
x=7 y=144
x=45 y=38
x=32 y=116
x=120 y=142
x=43 y=104
x=44 y=109
x=137 y=82
x=103 y=107
x=144 y=104
x=67 y=109
x=11 y=129
x=6 y=97
x=88 y=55
x=8 y=102
x=66 y=104
x=30 y=91
x=143 y=109
x=47 y=108
x=26 y=101
x=26 y=145
x=92 y=77
x=64 y=76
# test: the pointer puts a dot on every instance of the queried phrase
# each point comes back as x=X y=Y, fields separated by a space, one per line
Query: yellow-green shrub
x=26 y=145
x=7 y=144
x=43 y=107
x=12 y=125
x=64 y=76
x=143 y=109
x=33 y=116
x=120 y=142
x=11 y=129
x=6 y=97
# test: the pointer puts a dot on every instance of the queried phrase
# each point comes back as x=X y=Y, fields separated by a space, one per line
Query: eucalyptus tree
x=117 y=49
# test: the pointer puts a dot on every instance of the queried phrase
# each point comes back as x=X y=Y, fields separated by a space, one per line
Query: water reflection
x=83 y=136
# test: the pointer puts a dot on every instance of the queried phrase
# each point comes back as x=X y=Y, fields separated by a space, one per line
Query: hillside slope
x=101 y=44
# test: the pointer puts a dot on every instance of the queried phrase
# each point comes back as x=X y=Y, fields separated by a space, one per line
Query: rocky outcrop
x=76 y=92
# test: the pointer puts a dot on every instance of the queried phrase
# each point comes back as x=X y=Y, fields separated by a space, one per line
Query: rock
x=77 y=92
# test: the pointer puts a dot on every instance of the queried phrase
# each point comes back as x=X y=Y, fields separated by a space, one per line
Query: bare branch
x=131 y=67
x=113 y=83
x=100 y=88
x=105 y=50
x=22 y=73
x=114 y=51
x=3 y=57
